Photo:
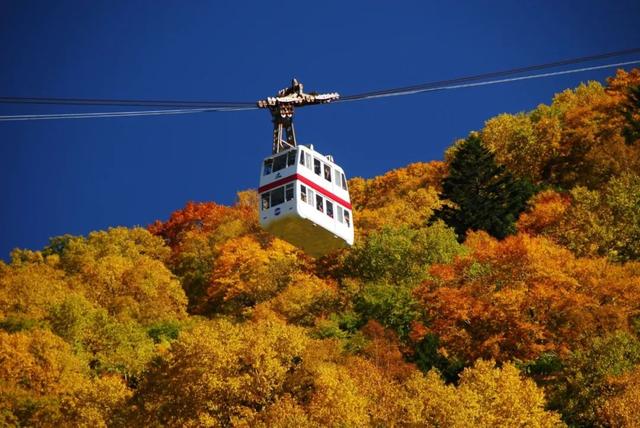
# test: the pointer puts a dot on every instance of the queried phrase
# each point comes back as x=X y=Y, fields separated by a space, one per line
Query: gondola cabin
x=304 y=200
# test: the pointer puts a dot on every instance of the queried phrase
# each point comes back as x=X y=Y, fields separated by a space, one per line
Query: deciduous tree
x=520 y=297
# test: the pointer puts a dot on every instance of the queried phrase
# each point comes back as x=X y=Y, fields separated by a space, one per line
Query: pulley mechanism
x=281 y=108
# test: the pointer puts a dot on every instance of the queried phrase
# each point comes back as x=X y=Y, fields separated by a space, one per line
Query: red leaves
x=205 y=217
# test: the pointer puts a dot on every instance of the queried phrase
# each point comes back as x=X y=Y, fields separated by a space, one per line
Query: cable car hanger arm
x=282 y=109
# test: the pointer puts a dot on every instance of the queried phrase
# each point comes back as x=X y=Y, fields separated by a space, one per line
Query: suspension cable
x=122 y=102
x=23 y=117
x=492 y=75
x=401 y=92
x=214 y=106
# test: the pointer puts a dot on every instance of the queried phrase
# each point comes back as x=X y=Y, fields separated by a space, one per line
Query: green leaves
x=402 y=255
x=393 y=306
x=584 y=383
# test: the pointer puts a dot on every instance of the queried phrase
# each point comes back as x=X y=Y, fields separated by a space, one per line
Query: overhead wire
x=216 y=106
x=491 y=75
x=23 y=117
x=8 y=118
x=246 y=104
x=123 y=102
x=484 y=83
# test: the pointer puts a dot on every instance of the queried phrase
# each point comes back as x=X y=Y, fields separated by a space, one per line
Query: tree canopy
x=465 y=301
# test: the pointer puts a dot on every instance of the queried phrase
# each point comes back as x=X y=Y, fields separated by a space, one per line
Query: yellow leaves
x=485 y=397
x=121 y=270
x=513 y=139
x=130 y=244
x=304 y=298
x=96 y=403
x=219 y=371
x=246 y=272
x=38 y=361
x=247 y=198
x=504 y=398
x=43 y=384
x=154 y=292
x=405 y=196
x=547 y=128
x=30 y=289
x=122 y=347
x=256 y=374
x=429 y=402
x=577 y=140
x=284 y=413
x=336 y=401
x=413 y=209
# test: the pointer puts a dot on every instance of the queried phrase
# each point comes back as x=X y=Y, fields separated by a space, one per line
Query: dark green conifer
x=484 y=195
x=631 y=112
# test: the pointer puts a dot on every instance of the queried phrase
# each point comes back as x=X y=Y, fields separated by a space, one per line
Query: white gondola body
x=304 y=200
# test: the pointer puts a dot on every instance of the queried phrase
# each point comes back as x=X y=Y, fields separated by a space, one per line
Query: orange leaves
x=548 y=209
x=194 y=234
x=384 y=351
x=205 y=217
x=617 y=86
x=522 y=296
x=621 y=406
x=579 y=139
x=604 y=222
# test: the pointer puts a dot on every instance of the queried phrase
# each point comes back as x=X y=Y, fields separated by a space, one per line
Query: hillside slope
x=205 y=320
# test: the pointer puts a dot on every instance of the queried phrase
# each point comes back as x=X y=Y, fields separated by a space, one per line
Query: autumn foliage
x=524 y=296
x=206 y=320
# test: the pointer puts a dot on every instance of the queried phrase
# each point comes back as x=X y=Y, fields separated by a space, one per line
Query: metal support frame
x=282 y=109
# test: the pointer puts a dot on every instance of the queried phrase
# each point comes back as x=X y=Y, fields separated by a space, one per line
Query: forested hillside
x=500 y=287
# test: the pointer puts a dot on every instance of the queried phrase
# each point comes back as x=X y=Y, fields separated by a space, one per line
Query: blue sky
x=75 y=176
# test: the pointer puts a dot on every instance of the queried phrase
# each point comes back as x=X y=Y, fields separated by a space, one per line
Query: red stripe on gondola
x=277 y=183
x=309 y=183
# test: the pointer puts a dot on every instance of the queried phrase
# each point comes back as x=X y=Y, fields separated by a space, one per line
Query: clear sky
x=75 y=176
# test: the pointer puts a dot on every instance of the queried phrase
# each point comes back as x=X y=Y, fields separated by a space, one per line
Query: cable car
x=304 y=197
x=304 y=200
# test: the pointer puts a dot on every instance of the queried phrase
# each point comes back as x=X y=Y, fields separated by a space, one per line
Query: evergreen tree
x=485 y=195
x=631 y=112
